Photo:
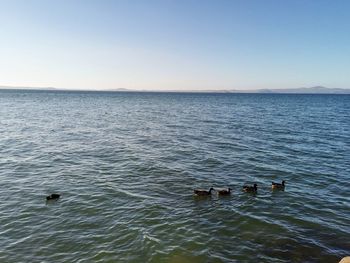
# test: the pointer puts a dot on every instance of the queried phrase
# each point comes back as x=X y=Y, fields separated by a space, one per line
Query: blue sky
x=175 y=44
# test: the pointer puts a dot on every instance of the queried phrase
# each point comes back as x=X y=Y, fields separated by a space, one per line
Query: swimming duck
x=224 y=191
x=52 y=197
x=201 y=192
x=251 y=189
x=277 y=186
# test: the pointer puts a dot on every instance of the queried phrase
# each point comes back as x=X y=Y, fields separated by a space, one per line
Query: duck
x=201 y=192
x=277 y=186
x=224 y=191
x=251 y=189
x=52 y=197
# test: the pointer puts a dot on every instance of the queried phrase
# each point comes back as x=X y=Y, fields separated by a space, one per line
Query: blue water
x=126 y=165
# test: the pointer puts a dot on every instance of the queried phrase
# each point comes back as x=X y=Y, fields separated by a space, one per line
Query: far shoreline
x=269 y=92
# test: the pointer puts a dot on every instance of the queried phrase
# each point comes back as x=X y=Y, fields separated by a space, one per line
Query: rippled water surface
x=126 y=165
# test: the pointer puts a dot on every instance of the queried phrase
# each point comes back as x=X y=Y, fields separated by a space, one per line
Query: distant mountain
x=27 y=88
x=121 y=89
x=312 y=90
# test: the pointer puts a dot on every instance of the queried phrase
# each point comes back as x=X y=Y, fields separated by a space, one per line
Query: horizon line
x=302 y=90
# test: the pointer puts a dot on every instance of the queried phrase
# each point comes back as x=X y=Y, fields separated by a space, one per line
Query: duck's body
x=277 y=186
x=52 y=197
x=201 y=192
x=224 y=191
x=250 y=189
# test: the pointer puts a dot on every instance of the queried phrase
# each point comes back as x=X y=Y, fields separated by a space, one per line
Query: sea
x=126 y=163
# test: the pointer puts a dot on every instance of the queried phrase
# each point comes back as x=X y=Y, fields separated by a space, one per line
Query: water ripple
x=126 y=164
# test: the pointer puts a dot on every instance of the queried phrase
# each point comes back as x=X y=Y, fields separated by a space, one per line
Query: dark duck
x=201 y=192
x=250 y=189
x=277 y=186
x=224 y=191
x=52 y=197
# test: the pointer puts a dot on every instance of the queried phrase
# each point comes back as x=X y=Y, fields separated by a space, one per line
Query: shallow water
x=126 y=164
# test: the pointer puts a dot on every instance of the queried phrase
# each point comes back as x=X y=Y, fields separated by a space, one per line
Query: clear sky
x=175 y=44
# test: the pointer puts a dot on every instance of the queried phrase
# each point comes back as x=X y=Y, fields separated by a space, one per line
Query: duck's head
x=255 y=186
x=283 y=182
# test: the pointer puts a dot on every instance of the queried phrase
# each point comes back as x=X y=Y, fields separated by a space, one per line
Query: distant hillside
x=312 y=90
x=27 y=88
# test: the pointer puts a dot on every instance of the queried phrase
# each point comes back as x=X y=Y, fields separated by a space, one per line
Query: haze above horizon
x=167 y=45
